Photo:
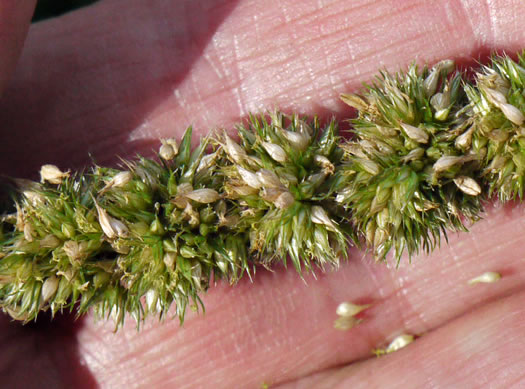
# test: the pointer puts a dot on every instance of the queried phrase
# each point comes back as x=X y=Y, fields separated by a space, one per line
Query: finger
x=483 y=348
x=15 y=17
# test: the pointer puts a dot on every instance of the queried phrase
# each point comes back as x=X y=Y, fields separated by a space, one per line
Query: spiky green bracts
x=407 y=177
x=107 y=238
x=427 y=147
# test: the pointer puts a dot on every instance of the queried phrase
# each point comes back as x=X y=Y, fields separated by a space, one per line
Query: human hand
x=112 y=78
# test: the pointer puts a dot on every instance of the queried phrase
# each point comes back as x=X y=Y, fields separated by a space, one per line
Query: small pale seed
x=268 y=179
x=276 y=152
x=35 y=198
x=243 y=190
x=446 y=65
x=167 y=152
x=447 y=161
x=319 y=216
x=425 y=206
x=431 y=81
x=414 y=155
x=169 y=260
x=236 y=153
x=345 y=323
x=370 y=231
x=76 y=251
x=52 y=174
x=467 y=185
x=415 y=133
x=348 y=309
x=204 y=196
x=192 y=215
x=380 y=237
x=111 y=227
x=485 y=278
x=49 y=241
x=355 y=149
x=249 y=178
x=49 y=289
x=151 y=297
x=439 y=102
x=284 y=200
x=299 y=140
x=118 y=181
x=328 y=167
x=464 y=140
x=173 y=143
x=399 y=342
x=494 y=97
x=120 y=228
x=207 y=161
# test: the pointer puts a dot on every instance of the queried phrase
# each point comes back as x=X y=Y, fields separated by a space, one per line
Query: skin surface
x=112 y=78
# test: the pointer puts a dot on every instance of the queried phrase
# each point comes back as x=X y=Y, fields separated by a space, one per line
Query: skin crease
x=112 y=78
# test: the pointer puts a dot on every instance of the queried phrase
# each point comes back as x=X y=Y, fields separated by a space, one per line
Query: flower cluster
x=411 y=180
x=427 y=147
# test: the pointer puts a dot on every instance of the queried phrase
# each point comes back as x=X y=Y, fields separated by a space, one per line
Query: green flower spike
x=406 y=180
x=427 y=148
x=123 y=242
x=282 y=176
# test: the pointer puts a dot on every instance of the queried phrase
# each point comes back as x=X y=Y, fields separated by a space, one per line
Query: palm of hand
x=113 y=78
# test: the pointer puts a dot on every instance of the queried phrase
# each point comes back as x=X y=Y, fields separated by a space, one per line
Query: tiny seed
x=399 y=342
x=275 y=151
x=467 y=185
x=485 y=278
x=348 y=309
x=284 y=200
x=49 y=289
x=234 y=151
x=204 y=196
x=167 y=152
x=345 y=323
x=249 y=178
x=415 y=133
x=52 y=174
x=299 y=140
x=111 y=227
x=328 y=167
x=447 y=161
x=207 y=161
x=319 y=216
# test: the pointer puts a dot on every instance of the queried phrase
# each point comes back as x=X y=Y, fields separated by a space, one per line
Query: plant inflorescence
x=428 y=146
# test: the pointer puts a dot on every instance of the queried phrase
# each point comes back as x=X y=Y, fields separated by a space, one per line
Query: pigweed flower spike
x=283 y=182
x=108 y=238
x=402 y=170
x=427 y=148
